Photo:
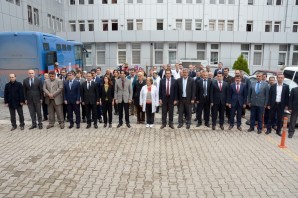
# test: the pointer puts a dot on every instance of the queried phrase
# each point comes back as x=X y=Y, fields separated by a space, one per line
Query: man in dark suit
x=167 y=92
x=72 y=99
x=33 y=98
x=63 y=77
x=99 y=82
x=293 y=108
x=219 y=98
x=219 y=69
x=237 y=101
x=161 y=72
x=90 y=99
x=191 y=72
x=81 y=80
x=136 y=97
x=203 y=88
x=14 y=99
x=185 y=96
x=278 y=102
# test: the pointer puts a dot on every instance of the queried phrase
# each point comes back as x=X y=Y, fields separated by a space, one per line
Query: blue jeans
x=256 y=112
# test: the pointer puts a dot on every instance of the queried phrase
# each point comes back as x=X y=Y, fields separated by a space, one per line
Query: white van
x=291 y=73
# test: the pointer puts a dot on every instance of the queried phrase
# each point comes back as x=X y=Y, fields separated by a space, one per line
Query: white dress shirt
x=278 y=92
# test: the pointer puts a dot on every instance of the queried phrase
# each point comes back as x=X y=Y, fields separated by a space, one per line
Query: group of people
x=63 y=94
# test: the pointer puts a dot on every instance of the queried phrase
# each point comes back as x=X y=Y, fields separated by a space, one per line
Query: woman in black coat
x=107 y=99
x=136 y=97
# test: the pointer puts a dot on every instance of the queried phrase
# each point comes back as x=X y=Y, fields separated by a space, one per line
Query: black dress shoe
x=278 y=133
x=70 y=126
x=119 y=125
x=40 y=127
x=13 y=128
x=110 y=125
x=196 y=119
x=179 y=126
x=222 y=127
x=84 y=120
x=259 y=131
x=88 y=126
x=171 y=126
x=213 y=127
x=100 y=120
x=207 y=125
x=290 y=135
x=105 y=125
x=78 y=126
x=187 y=126
x=239 y=128
x=32 y=127
x=230 y=127
x=162 y=126
x=250 y=130
x=268 y=132
x=22 y=128
x=198 y=125
x=45 y=119
x=95 y=126
x=128 y=125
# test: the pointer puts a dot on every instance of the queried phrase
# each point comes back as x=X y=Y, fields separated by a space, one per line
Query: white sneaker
x=151 y=125
x=147 y=125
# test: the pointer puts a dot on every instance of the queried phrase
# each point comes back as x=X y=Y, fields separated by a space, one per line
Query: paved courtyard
x=141 y=162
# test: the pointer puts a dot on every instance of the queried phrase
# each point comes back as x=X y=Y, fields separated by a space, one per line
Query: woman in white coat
x=149 y=101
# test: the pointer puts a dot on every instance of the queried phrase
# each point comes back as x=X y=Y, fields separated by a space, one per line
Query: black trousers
x=140 y=113
x=91 y=108
x=74 y=108
x=184 y=109
x=99 y=111
x=167 y=108
x=203 y=105
x=293 y=119
x=65 y=111
x=83 y=111
x=218 y=109
x=12 y=112
x=124 y=106
x=35 y=110
x=45 y=110
x=149 y=114
x=276 y=108
x=107 y=109
x=237 y=108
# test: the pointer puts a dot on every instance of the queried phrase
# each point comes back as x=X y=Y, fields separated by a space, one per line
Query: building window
x=249 y=26
x=282 y=54
x=129 y=24
x=90 y=1
x=58 y=24
x=81 y=2
x=18 y=2
x=212 y=1
x=268 y=26
x=296 y=2
x=214 y=54
x=91 y=25
x=245 y=51
x=136 y=53
x=89 y=59
x=269 y=2
x=188 y=23
x=250 y=2
x=139 y=1
x=121 y=53
x=158 y=53
x=230 y=25
x=49 y=21
x=53 y=22
x=295 y=55
x=222 y=2
x=201 y=48
x=72 y=26
x=211 y=25
x=178 y=24
x=295 y=26
x=72 y=2
x=277 y=26
x=61 y=25
x=129 y=1
x=82 y=26
x=198 y=23
x=29 y=8
x=100 y=54
x=36 y=16
x=105 y=25
x=178 y=1
x=172 y=53
x=114 y=25
x=188 y=1
x=139 y=24
x=104 y=1
x=159 y=24
x=231 y=1
x=199 y=1
x=114 y=1
x=221 y=25
x=159 y=1
x=257 y=55
x=278 y=2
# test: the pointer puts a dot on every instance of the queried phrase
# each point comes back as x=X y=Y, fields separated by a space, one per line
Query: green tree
x=241 y=64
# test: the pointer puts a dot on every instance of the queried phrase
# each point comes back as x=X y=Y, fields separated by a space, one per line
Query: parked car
x=268 y=72
x=291 y=73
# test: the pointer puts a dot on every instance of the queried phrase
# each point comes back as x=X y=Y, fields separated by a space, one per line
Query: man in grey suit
x=257 y=100
x=53 y=89
x=123 y=97
x=33 y=98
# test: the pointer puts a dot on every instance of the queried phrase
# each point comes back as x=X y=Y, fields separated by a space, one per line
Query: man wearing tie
x=203 y=99
x=90 y=99
x=278 y=102
x=257 y=99
x=219 y=98
x=167 y=92
x=33 y=98
x=237 y=100
x=123 y=97
x=185 y=96
x=72 y=99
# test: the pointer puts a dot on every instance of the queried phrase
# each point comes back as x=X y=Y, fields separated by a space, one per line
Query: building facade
x=156 y=32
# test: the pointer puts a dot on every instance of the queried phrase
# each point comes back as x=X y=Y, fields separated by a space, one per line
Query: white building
x=155 y=32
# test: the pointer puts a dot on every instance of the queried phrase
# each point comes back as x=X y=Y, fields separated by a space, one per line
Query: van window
x=289 y=74
x=46 y=46
x=296 y=78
